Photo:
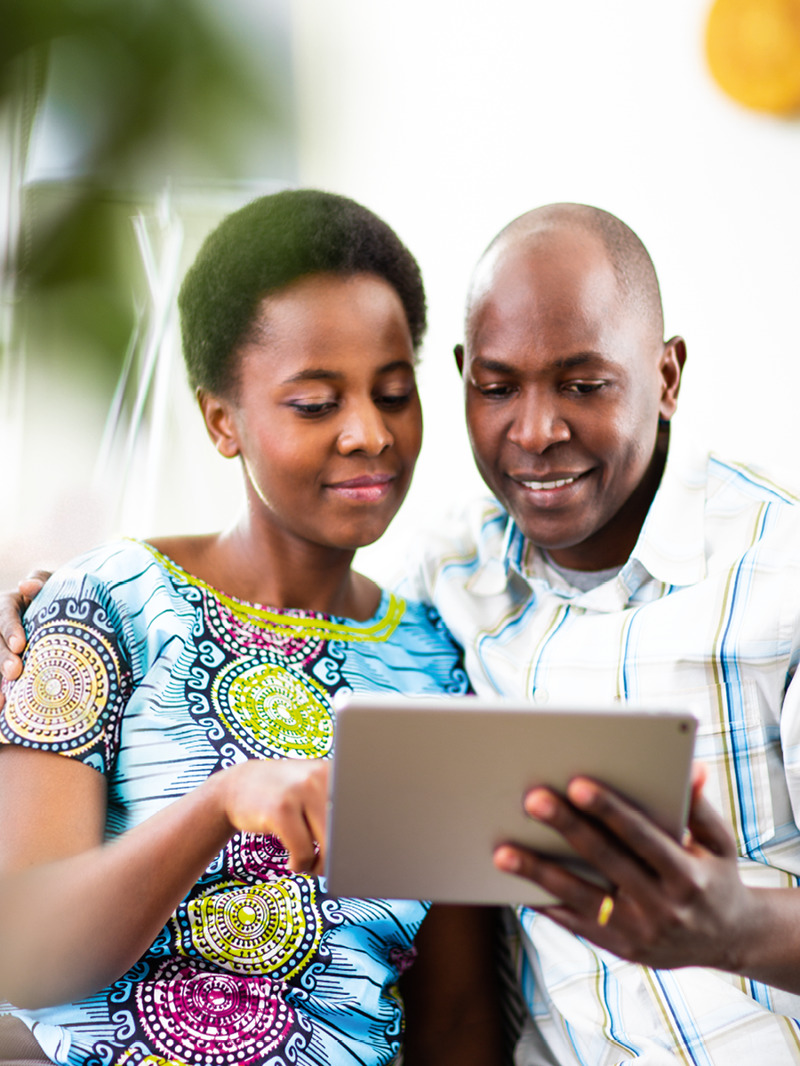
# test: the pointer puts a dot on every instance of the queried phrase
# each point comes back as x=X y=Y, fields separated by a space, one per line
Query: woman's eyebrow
x=319 y=374
x=313 y=374
x=396 y=364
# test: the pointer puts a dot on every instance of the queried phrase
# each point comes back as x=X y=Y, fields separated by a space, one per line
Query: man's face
x=564 y=387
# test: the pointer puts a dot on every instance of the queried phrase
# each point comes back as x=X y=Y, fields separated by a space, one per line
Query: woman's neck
x=275 y=570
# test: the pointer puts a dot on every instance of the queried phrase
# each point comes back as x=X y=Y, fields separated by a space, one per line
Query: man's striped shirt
x=705 y=615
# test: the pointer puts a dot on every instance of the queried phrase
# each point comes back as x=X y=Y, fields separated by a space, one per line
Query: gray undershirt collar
x=584 y=580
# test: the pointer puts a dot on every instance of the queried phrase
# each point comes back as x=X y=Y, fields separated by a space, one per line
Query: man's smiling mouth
x=555 y=481
x=559 y=483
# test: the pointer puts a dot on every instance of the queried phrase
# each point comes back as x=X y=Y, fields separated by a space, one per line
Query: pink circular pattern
x=253 y=857
x=199 y=1016
x=240 y=632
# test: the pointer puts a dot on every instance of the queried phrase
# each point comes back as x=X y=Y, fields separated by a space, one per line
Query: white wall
x=449 y=117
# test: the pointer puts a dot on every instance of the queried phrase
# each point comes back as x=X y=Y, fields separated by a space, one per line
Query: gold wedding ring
x=605 y=911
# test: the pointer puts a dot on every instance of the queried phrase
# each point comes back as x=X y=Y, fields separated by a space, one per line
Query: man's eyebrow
x=579 y=359
x=495 y=365
x=566 y=363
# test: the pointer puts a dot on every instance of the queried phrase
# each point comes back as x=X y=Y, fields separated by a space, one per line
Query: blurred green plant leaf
x=137 y=92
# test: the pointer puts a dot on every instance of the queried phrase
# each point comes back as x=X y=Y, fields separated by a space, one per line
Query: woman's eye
x=310 y=410
x=393 y=401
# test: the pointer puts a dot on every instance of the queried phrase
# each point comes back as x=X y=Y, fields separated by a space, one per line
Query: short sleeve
x=76 y=679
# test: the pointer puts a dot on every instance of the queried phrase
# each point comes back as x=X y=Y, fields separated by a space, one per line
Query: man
x=603 y=572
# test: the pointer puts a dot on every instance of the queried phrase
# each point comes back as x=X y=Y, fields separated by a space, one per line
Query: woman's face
x=326 y=417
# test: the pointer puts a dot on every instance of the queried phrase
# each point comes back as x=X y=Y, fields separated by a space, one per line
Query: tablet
x=422 y=790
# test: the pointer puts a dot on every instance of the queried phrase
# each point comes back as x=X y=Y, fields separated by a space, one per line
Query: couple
x=604 y=568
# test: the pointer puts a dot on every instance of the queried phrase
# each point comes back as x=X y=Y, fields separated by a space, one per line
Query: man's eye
x=583 y=387
x=495 y=391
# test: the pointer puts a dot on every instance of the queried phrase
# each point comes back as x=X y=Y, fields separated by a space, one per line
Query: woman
x=163 y=773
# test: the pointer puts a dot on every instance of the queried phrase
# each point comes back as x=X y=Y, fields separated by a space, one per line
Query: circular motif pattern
x=242 y=633
x=202 y=1017
x=69 y=674
x=271 y=712
x=136 y=1057
x=255 y=856
x=271 y=928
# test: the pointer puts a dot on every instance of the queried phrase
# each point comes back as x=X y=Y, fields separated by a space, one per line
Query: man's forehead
x=524 y=255
x=559 y=276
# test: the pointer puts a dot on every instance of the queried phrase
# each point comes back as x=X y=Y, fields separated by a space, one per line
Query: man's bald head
x=628 y=257
x=568 y=381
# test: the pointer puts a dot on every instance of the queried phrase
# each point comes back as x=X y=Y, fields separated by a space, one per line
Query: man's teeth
x=548 y=484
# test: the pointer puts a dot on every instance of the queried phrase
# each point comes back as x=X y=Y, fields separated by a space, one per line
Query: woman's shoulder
x=114 y=565
x=122 y=578
x=420 y=621
x=415 y=652
x=118 y=598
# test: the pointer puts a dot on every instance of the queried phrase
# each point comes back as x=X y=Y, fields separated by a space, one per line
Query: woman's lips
x=367 y=488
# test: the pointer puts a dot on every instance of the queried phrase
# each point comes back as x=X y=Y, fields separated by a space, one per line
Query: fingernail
x=581 y=792
x=540 y=804
x=508 y=860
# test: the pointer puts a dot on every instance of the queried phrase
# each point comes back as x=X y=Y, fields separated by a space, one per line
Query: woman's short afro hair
x=265 y=246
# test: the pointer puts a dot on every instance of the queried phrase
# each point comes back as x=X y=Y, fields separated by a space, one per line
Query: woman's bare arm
x=76 y=913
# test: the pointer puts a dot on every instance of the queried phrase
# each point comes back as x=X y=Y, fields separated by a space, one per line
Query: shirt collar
x=670 y=548
x=499 y=556
x=671 y=545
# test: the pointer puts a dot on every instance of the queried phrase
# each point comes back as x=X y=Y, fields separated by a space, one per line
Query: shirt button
x=541 y=695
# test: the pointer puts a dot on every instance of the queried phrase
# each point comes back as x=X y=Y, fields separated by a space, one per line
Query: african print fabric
x=157 y=681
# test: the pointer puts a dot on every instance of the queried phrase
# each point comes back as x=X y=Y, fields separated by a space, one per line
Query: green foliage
x=146 y=91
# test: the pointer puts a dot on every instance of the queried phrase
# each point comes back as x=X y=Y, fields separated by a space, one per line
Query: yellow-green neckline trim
x=324 y=627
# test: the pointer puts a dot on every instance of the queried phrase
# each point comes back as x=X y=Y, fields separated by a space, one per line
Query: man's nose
x=538 y=423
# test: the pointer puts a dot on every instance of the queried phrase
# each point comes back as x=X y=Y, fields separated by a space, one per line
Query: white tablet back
x=423 y=790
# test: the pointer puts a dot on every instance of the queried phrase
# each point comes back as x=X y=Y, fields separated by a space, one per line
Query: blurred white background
x=448 y=118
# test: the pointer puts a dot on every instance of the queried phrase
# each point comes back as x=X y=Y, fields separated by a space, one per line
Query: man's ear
x=220 y=425
x=673 y=358
x=458 y=352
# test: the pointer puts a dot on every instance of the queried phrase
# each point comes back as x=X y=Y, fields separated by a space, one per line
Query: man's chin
x=549 y=540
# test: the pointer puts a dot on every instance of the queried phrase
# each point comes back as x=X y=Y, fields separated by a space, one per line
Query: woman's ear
x=220 y=424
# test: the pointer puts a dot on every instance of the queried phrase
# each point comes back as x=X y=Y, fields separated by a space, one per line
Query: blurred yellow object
x=753 y=50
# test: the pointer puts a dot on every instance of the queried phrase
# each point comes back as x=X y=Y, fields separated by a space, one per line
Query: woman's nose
x=364 y=430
